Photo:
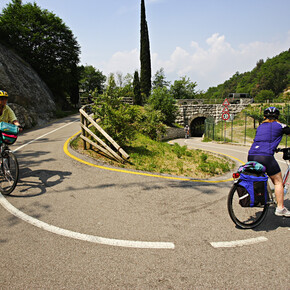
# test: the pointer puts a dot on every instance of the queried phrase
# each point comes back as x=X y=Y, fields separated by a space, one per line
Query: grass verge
x=163 y=158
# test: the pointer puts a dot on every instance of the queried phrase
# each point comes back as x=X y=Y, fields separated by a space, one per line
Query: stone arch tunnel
x=197 y=127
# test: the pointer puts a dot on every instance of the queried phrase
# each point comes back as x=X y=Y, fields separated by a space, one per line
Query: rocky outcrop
x=29 y=96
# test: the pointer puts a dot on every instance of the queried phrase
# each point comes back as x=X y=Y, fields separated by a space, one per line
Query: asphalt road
x=74 y=225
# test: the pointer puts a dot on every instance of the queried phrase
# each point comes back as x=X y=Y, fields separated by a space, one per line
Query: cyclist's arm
x=16 y=123
x=11 y=118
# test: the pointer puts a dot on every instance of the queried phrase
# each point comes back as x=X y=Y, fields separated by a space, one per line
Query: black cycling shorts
x=272 y=166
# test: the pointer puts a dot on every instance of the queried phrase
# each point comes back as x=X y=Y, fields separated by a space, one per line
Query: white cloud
x=123 y=61
x=219 y=61
x=208 y=66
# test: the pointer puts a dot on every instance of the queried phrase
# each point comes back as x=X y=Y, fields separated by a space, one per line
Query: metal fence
x=242 y=128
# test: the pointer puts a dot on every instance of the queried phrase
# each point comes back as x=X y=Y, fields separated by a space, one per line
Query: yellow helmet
x=3 y=94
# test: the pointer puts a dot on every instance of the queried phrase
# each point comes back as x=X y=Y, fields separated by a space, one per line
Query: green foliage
x=162 y=100
x=151 y=123
x=123 y=121
x=137 y=89
x=119 y=120
x=211 y=167
x=257 y=112
x=145 y=59
x=183 y=89
x=265 y=95
x=159 y=80
x=271 y=75
x=91 y=80
x=45 y=42
x=179 y=150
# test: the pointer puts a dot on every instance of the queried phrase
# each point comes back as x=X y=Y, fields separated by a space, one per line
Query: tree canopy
x=91 y=80
x=45 y=42
x=159 y=80
x=183 y=88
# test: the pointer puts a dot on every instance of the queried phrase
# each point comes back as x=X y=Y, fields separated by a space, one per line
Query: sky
x=207 y=41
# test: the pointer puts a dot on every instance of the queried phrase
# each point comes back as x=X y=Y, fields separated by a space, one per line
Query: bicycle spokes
x=9 y=173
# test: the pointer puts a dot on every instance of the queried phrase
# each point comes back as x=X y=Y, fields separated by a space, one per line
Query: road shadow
x=35 y=182
x=273 y=222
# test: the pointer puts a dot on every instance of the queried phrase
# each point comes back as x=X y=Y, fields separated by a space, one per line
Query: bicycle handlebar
x=282 y=149
x=20 y=126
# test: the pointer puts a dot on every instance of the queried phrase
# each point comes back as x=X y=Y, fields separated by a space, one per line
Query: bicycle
x=250 y=217
x=9 y=167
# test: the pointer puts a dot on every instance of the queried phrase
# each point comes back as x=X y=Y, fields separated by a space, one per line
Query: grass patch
x=161 y=157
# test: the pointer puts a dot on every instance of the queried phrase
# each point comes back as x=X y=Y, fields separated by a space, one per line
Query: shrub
x=163 y=101
x=119 y=120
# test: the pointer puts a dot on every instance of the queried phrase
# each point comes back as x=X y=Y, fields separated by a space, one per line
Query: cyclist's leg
x=279 y=191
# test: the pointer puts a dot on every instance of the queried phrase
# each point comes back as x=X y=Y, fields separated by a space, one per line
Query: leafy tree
x=112 y=89
x=264 y=95
x=91 y=80
x=151 y=123
x=162 y=100
x=118 y=119
x=45 y=42
x=137 y=89
x=145 y=59
x=125 y=85
x=183 y=89
x=128 y=80
x=159 y=80
x=274 y=77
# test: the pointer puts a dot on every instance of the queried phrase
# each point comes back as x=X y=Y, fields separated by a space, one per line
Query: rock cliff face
x=29 y=96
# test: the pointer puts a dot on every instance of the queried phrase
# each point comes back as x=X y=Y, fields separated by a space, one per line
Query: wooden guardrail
x=86 y=123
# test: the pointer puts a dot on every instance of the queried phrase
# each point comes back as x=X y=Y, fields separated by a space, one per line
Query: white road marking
x=42 y=136
x=79 y=236
x=238 y=243
x=75 y=235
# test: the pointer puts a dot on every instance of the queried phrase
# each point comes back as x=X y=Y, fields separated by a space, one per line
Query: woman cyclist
x=267 y=139
x=6 y=113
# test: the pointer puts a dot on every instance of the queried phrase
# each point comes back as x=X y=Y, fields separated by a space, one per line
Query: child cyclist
x=6 y=113
x=268 y=136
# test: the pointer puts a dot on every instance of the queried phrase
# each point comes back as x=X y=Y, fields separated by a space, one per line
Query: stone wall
x=29 y=96
x=189 y=112
x=173 y=133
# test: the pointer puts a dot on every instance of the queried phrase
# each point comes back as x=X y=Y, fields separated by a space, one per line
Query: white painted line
x=79 y=236
x=42 y=136
x=239 y=243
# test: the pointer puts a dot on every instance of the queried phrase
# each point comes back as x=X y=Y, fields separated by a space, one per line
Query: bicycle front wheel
x=245 y=217
x=9 y=172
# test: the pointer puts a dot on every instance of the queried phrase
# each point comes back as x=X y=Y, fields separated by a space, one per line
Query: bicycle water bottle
x=286 y=186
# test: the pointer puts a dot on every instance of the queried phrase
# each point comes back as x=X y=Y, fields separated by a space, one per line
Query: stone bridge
x=195 y=113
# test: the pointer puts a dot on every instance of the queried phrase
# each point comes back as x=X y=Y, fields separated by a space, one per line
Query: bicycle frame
x=286 y=175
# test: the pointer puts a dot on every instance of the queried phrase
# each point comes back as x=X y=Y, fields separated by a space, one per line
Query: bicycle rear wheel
x=245 y=217
x=9 y=172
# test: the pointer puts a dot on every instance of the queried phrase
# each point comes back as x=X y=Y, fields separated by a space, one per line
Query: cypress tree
x=145 y=75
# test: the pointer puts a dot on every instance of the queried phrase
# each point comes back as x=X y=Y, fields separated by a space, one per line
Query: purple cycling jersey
x=268 y=137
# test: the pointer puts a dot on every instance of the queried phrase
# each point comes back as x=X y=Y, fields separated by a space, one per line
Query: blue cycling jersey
x=268 y=137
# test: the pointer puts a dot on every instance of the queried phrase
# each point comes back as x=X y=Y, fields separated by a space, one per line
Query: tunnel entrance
x=197 y=127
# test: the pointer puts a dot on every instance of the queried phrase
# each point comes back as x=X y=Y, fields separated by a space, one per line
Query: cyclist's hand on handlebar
x=20 y=127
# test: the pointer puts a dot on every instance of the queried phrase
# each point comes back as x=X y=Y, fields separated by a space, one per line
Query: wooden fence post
x=83 y=131
x=120 y=155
